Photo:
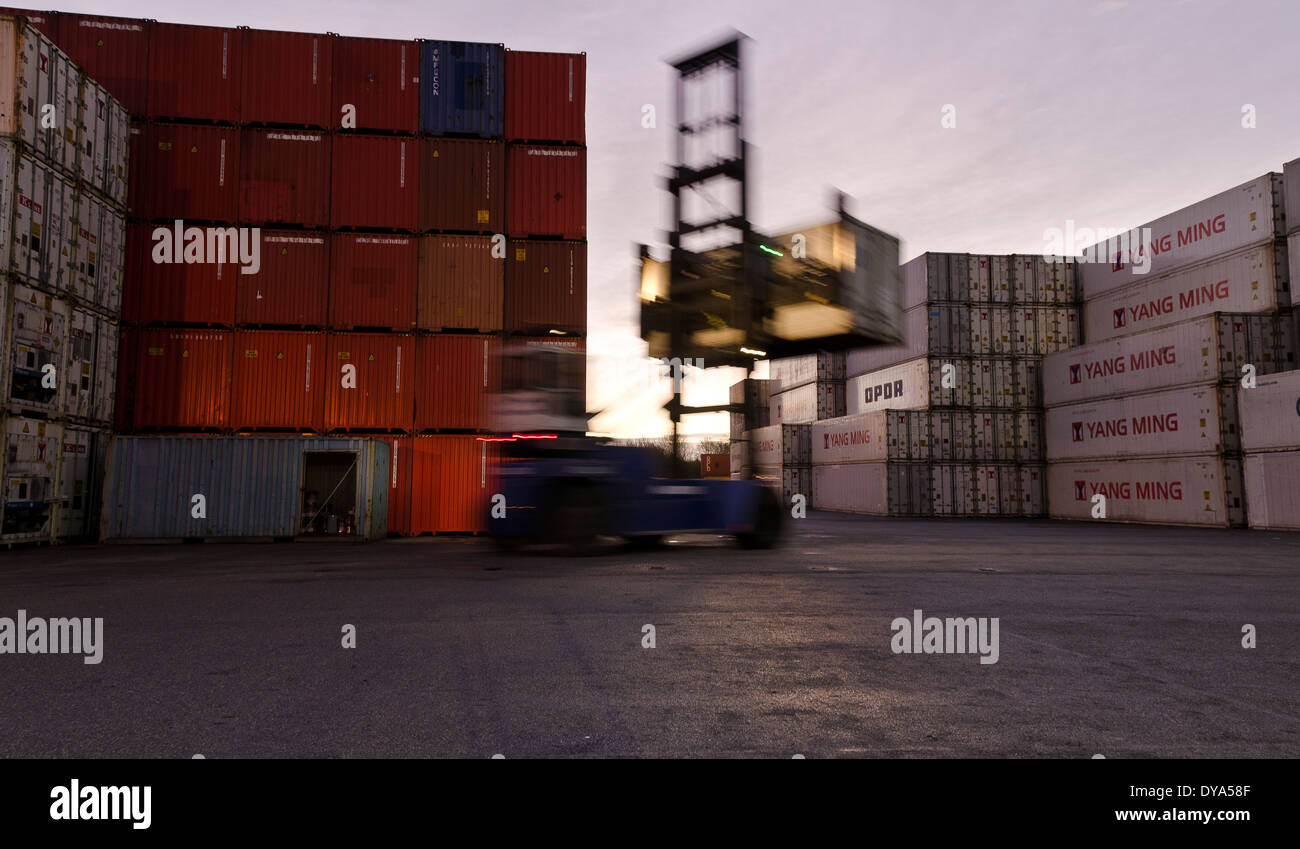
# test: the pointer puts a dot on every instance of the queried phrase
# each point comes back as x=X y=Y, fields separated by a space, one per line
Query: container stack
x=949 y=421
x=807 y=389
x=1146 y=415
x=372 y=265
x=1270 y=438
x=63 y=169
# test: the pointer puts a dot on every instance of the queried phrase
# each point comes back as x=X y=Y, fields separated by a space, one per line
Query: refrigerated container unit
x=461 y=88
x=788 y=372
x=1205 y=490
x=194 y=73
x=808 y=403
x=284 y=178
x=1270 y=413
x=545 y=97
x=372 y=281
x=548 y=192
x=1273 y=490
x=251 y=487
x=1245 y=216
x=169 y=292
x=545 y=287
x=1291 y=195
x=462 y=186
x=100 y=259
x=83 y=452
x=89 y=373
x=30 y=469
x=39 y=85
x=1188 y=421
x=780 y=445
x=1210 y=349
x=923 y=383
x=375 y=183
x=1044 y=280
x=38 y=248
x=455 y=376
x=930 y=489
x=286 y=79
x=377 y=82
x=291 y=285
x=276 y=381
x=460 y=285
x=35 y=365
x=103 y=143
x=114 y=51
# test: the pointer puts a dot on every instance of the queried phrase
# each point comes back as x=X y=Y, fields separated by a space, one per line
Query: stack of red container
x=382 y=282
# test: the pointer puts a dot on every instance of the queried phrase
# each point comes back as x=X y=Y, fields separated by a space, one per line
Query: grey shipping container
x=250 y=487
x=1291 y=191
x=790 y=372
x=927 y=329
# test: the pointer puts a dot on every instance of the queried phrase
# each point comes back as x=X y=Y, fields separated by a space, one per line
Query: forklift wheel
x=767 y=522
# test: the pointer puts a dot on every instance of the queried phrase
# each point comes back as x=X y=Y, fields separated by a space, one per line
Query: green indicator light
x=769 y=250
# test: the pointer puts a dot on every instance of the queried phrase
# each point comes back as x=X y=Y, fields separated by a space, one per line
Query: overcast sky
x=1106 y=112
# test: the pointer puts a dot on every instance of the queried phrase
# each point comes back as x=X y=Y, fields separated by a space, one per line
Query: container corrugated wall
x=194 y=72
x=548 y=191
x=276 y=380
x=455 y=375
x=460 y=284
x=368 y=381
x=546 y=287
x=1170 y=491
x=286 y=79
x=375 y=182
x=186 y=171
x=462 y=185
x=181 y=292
x=115 y=51
x=292 y=285
x=252 y=485
x=372 y=281
x=461 y=89
x=546 y=97
x=284 y=178
x=182 y=379
x=450 y=482
x=379 y=79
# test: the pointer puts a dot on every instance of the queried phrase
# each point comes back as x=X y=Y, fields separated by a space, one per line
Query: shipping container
x=284 y=178
x=461 y=91
x=276 y=380
x=1270 y=413
x=1163 y=491
x=80 y=483
x=286 y=79
x=896 y=489
x=1291 y=192
x=715 y=466
x=1008 y=489
x=1252 y=281
x=368 y=381
x=1273 y=490
x=39 y=84
x=1209 y=349
x=546 y=97
x=1007 y=435
x=35 y=357
x=1039 y=330
x=1250 y=214
x=546 y=287
x=251 y=487
x=999 y=329
x=31 y=478
x=451 y=481
x=915 y=385
x=988 y=280
x=128 y=351
x=182 y=379
x=375 y=183
x=861 y=438
x=462 y=185
x=375 y=83
x=455 y=376
x=808 y=403
x=103 y=153
x=113 y=51
x=935 y=277
x=789 y=372
x=38 y=246
x=1193 y=420
x=162 y=290
x=194 y=73
x=460 y=284
x=738 y=455
x=186 y=171
x=372 y=281
x=780 y=445
x=136 y=185
x=1006 y=382
x=47 y=23
x=89 y=374
x=1044 y=280
x=100 y=256
x=754 y=396
x=927 y=329
x=291 y=285
x=548 y=192
x=399 y=484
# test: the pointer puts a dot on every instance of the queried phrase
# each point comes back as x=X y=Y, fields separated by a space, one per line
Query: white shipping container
x=861 y=438
x=992 y=331
x=1270 y=413
x=42 y=206
x=927 y=329
x=39 y=87
x=914 y=385
x=34 y=361
x=1249 y=214
x=105 y=142
x=989 y=279
x=788 y=372
x=81 y=479
x=1166 y=491
x=100 y=255
x=1273 y=490
x=1011 y=436
x=853 y=488
x=1005 y=382
x=894 y=489
x=30 y=476
x=1204 y=350
x=808 y=403
x=89 y=375
x=934 y=277
x=1193 y=420
x=1043 y=280
x=789 y=481
x=1291 y=190
x=780 y=445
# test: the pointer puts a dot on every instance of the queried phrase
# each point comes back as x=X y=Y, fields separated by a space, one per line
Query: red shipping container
x=546 y=97
x=189 y=172
x=124 y=399
x=372 y=281
x=452 y=478
x=367 y=383
x=175 y=292
x=548 y=191
x=546 y=287
x=462 y=185
x=399 y=484
x=286 y=79
x=183 y=378
x=455 y=377
x=276 y=380
x=460 y=284
x=194 y=73
x=47 y=23
x=114 y=51
x=375 y=182
x=284 y=177
x=379 y=78
x=291 y=286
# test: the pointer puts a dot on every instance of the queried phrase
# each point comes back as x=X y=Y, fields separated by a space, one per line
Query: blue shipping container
x=251 y=486
x=462 y=88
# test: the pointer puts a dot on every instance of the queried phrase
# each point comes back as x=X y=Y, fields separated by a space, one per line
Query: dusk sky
x=1104 y=112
